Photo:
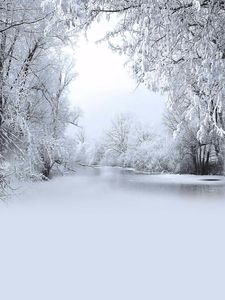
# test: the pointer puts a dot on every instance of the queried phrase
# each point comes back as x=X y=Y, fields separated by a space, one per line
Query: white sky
x=104 y=88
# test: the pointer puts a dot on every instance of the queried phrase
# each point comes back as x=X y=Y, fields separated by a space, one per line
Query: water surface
x=108 y=233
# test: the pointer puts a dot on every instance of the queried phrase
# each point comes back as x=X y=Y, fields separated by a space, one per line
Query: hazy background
x=105 y=88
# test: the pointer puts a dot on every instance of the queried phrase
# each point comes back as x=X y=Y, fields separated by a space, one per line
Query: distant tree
x=117 y=137
x=129 y=143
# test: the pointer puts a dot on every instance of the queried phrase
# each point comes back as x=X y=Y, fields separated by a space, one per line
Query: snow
x=112 y=234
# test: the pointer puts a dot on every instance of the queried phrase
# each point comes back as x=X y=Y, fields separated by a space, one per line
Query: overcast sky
x=104 y=87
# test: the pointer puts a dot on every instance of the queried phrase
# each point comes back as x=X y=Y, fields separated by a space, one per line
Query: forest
x=173 y=47
x=98 y=202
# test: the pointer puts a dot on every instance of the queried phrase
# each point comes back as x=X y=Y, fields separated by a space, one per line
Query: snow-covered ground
x=109 y=234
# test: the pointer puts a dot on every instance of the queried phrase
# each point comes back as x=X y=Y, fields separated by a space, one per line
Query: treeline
x=129 y=143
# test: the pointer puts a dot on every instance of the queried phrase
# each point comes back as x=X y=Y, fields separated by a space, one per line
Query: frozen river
x=111 y=234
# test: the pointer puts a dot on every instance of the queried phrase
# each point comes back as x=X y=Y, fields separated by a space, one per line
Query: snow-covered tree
x=175 y=47
x=117 y=137
x=35 y=73
x=196 y=156
x=129 y=143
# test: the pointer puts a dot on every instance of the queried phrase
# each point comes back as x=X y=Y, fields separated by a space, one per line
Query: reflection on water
x=189 y=185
